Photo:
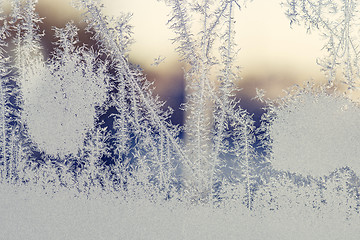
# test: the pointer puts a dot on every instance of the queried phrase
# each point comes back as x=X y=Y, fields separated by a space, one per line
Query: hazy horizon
x=272 y=56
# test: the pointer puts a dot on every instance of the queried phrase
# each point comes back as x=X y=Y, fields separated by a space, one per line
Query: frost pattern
x=210 y=134
x=82 y=132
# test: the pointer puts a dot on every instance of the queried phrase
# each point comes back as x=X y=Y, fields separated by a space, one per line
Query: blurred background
x=272 y=55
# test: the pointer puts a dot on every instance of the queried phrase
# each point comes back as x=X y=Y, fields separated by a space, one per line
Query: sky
x=272 y=55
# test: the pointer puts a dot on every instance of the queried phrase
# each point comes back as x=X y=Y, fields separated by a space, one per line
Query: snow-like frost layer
x=59 y=105
x=30 y=215
x=315 y=134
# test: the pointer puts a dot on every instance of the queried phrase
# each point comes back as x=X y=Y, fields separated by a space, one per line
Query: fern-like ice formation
x=4 y=61
x=157 y=147
x=338 y=22
x=216 y=127
x=52 y=107
x=58 y=105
